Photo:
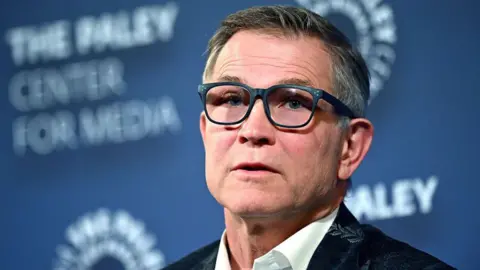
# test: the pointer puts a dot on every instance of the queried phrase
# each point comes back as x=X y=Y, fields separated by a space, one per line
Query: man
x=283 y=127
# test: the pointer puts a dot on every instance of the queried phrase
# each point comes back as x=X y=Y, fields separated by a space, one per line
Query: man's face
x=303 y=162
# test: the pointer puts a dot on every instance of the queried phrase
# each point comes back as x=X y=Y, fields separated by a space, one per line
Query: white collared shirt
x=292 y=254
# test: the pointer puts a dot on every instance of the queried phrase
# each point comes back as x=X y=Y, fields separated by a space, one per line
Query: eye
x=232 y=99
x=227 y=96
x=294 y=104
x=290 y=99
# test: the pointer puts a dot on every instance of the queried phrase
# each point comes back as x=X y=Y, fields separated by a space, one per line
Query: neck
x=249 y=238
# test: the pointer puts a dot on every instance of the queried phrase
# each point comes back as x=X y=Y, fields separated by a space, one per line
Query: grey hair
x=351 y=78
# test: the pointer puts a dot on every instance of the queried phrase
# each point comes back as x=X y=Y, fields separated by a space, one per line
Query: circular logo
x=376 y=33
x=106 y=240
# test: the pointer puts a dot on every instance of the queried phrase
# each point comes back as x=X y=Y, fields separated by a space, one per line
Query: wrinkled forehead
x=261 y=60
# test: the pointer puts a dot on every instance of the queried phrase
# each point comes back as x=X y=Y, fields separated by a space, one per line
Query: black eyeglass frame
x=317 y=94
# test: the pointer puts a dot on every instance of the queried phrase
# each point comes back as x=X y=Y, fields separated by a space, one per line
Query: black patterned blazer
x=348 y=245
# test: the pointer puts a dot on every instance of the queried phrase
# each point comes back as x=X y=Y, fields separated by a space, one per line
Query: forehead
x=262 y=60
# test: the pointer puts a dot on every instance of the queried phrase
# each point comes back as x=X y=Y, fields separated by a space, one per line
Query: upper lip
x=254 y=166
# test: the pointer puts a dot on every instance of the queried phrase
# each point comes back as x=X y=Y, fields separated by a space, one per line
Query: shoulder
x=206 y=254
x=383 y=252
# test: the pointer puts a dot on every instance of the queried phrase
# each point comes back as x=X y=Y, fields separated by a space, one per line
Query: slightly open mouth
x=255 y=168
x=250 y=168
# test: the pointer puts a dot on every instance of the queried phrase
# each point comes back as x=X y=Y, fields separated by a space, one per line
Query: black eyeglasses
x=286 y=105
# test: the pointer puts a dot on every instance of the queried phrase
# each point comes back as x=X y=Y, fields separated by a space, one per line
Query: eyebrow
x=295 y=81
x=228 y=78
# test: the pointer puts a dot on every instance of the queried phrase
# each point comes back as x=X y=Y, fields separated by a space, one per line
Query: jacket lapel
x=338 y=249
x=209 y=262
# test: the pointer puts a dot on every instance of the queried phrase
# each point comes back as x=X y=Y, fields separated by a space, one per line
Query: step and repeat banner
x=102 y=163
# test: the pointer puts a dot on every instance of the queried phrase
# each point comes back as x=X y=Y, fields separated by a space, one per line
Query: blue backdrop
x=101 y=158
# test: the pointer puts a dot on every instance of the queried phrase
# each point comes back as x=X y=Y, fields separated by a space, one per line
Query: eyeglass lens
x=287 y=106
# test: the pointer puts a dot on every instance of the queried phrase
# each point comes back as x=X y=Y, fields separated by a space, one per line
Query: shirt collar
x=223 y=262
x=298 y=249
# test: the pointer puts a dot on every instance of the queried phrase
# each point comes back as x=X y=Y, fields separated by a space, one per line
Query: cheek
x=312 y=152
x=217 y=147
x=297 y=158
x=219 y=143
x=301 y=147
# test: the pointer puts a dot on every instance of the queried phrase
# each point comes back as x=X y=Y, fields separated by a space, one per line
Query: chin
x=255 y=203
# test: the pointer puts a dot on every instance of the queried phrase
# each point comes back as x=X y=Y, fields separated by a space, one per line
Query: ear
x=355 y=147
x=203 y=126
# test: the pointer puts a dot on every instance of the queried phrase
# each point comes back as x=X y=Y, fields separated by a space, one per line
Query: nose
x=257 y=129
